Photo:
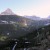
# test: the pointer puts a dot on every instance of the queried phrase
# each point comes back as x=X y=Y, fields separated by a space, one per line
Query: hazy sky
x=27 y=7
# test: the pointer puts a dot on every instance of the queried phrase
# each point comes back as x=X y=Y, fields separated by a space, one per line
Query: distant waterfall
x=14 y=46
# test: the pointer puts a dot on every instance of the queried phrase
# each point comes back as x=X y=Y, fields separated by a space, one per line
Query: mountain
x=23 y=25
x=33 y=17
x=7 y=12
x=48 y=17
x=31 y=21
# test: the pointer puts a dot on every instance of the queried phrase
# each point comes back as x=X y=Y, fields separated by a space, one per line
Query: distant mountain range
x=10 y=12
x=9 y=17
x=49 y=17
x=23 y=24
x=33 y=17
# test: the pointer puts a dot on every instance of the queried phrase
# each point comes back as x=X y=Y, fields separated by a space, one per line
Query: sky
x=39 y=8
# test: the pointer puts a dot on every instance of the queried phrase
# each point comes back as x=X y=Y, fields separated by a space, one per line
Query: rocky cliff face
x=7 y=12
